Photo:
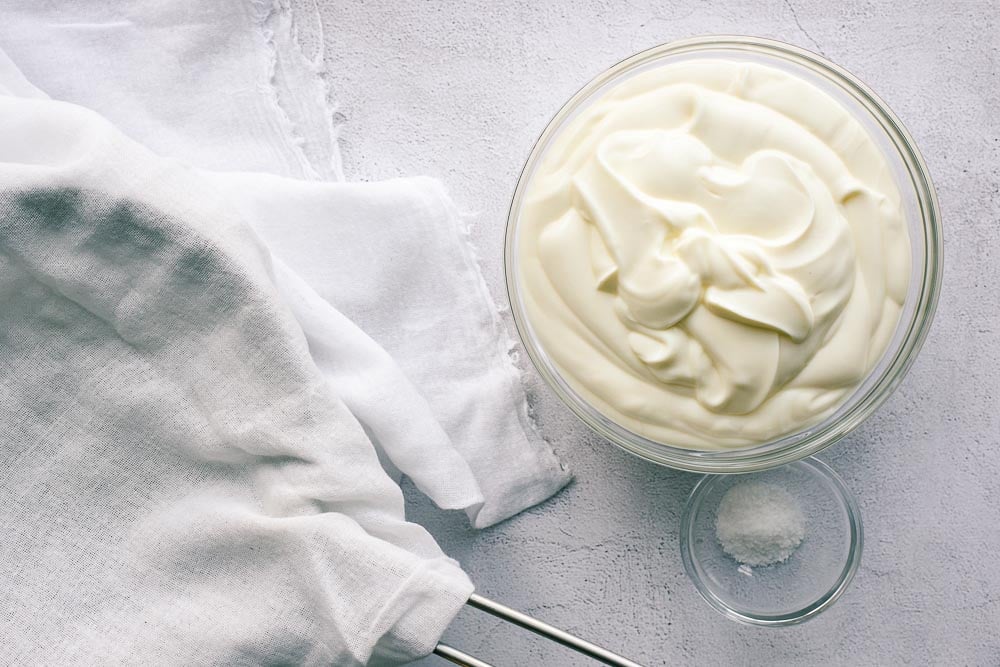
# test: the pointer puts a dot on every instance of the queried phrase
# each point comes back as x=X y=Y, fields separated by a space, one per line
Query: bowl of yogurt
x=723 y=254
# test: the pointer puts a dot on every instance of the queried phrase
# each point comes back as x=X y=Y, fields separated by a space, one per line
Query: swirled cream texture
x=713 y=254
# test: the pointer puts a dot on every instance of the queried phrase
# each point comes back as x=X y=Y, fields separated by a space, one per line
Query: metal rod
x=458 y=657
x=546 y=630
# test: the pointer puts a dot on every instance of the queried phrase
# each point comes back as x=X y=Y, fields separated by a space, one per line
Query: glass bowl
x=813 y=577
x=920 y=209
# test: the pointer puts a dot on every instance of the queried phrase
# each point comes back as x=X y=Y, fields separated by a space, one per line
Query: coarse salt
x=759 y=523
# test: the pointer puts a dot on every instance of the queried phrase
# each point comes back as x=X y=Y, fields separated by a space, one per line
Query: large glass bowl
x=920 y=209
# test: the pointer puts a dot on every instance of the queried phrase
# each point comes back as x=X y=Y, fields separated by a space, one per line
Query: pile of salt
x=759 y=523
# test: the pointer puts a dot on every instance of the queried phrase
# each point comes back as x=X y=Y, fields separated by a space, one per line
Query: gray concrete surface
x=461 y=90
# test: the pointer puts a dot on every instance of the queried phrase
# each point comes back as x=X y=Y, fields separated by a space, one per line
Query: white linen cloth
x=180 y=484
x=224 y=85
x=186 y=473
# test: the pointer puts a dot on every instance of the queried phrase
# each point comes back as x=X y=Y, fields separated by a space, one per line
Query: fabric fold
x=379 y=395
x=392 y=258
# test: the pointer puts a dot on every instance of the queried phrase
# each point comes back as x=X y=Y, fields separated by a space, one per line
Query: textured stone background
x=461 y=91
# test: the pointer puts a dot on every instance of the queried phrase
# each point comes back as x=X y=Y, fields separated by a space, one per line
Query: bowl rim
x=825 y=601
x=813 y=439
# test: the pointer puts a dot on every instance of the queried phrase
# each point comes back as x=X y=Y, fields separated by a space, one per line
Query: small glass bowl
x=920 y=210
x=809 y=581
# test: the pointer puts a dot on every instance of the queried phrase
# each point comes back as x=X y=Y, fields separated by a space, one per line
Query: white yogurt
x=713 y=254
